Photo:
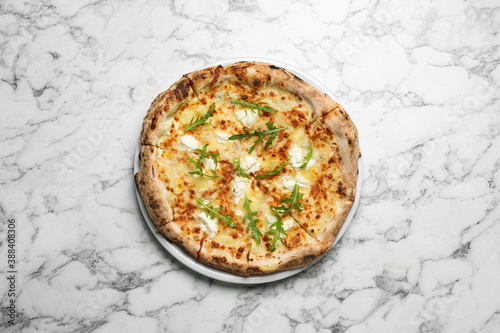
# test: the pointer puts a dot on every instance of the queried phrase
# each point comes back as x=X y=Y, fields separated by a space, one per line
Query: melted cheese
x=288 y=222
x=289 y=182
x=250 y=164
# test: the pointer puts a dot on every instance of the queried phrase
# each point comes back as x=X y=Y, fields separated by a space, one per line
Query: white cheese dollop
x=209 y=163
x=296 y=157
x=189 y=142
x=271 y=219
x=289 y=182
x=250 y=164
x=246 y=117
x=239 y=187
x=208 y=224
x=222 y=137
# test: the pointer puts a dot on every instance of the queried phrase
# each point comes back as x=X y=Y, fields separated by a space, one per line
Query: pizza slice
x=226 y=243
x=172 y=179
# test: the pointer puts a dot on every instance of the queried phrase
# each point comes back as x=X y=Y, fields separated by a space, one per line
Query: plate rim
x=177 y=252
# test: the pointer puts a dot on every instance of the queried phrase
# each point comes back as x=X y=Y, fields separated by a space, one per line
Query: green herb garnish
x=203 y=154
x=255 y=107
x=273 y=136
x=276 y=230
x=307 y=157
x=214 y=213
x=239 y=169
x=295 y=201
x=258 y=134
x=256 y=234
x=275 y=171
x=200 y=120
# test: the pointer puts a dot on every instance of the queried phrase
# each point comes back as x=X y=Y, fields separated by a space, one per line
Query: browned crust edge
x=164 y=105
x=321 y=104
x=258 y=74
x=336 y=223
x=151 y=188
x=339 y=122
x=228 y=264
x=294 y=258
x=152 y=192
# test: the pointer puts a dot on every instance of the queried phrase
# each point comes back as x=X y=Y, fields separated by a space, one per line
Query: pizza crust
x=152 y=190
x=164 y=106
x=295 y=257
x=339 y=122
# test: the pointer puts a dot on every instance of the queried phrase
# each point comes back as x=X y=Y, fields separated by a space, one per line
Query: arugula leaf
x=200 y=120
x=275 y=171
x=295 y=201
x=258 y=134
x=256 y=234
x=239 y=169
x=203 y=154
x=254 y=106
x=307 y=157
x=273 y=136
x=276 y=230
x=214 y=213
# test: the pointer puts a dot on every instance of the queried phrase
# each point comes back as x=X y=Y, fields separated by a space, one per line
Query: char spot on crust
x=309 y=258
x=219 y=259
x=340 y=188
x=181 y=91
x=154 y=121
x=218 y=69
x=273 y=67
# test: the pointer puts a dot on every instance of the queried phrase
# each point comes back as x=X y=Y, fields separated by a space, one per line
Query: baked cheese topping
x=289 y=182
x=250 y=164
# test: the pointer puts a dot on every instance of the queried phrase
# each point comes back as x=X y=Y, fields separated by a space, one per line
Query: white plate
x=216 y=274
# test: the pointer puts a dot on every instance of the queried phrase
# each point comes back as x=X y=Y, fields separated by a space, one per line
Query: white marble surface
x=420 y=81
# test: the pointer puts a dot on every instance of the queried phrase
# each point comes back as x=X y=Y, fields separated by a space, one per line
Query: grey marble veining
x=420 y=80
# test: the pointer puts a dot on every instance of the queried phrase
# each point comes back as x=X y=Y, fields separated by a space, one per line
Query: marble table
x=420 y=81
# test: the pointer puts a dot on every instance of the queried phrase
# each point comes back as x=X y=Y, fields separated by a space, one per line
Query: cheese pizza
x=248 y=168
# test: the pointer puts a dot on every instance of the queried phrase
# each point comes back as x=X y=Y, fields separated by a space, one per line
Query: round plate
x=216 y=274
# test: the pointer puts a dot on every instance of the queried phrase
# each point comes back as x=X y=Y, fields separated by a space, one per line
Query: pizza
x=248 y=168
